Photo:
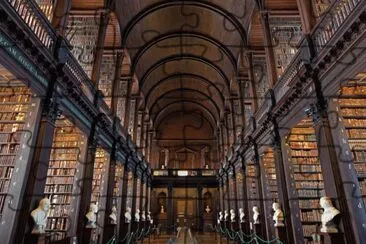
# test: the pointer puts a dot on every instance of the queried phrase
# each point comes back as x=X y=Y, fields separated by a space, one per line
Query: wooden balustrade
x=35 y=19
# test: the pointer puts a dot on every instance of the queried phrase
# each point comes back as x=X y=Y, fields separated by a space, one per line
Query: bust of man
x=92 y=216
x=278 y=215
x=128 y=216
x=255 y=215
x=162 y=210
x=39 y=216
x=137 y=215
x=208 y=209
x=143 y=216
x=226 y=215
x=221 y=217
x=149 y=217
x=232 y=215
x=113 y=215
x=330 y=212
x=241 y=215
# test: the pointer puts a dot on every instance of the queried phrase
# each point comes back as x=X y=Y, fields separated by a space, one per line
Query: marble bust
x=255 y=215
x=128 y=216
x=39 y=216
x=221 y=217
x=143 y=216
x=330 y=212
x=113 y=215
x=162 y=210
x=208 y=209
x=137 y=215
x=241 y=215
x=226 y=216
x=232 y=215
x=278 y=215
x=149 y=217
x=92 y=216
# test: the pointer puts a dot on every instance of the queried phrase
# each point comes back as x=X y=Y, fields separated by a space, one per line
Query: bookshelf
x=118 y=178
x=130 y=182
x=15 y=102
x=353 y=110
x=307 y=175
x=100 y=163
x=60 y=182
x=107 y=77
x=269 y=167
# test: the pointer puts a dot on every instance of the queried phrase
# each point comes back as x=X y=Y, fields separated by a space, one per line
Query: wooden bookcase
x=15 y=100
x=353 y=110
x=308 y=177
x=269 y=188
x=61 y=177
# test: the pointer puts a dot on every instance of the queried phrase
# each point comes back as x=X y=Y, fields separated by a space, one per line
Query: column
x=283 y=187
x=109 y=229
x=116 y=85
x=60 y=15
x=98 y=55
x=252 y=87
x=200 y=207
x=170 y=206
x=334 y=188
x=124 y=228
x=34 y=173
x=86 y=184
x=235 y=194
x=307 y=16
x=268 y=47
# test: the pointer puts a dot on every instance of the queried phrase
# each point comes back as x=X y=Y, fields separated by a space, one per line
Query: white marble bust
x=113 y=215
x=226 y=216
x=232 y=215
x=137 y=215
x=149 y=217
x=221 y=217
x=39 y=216
x=128 y=216
x=162 y=210
x=255 y=215
x=208 y=209
x=241 y=215
x=278 y=215
x=92 y=216
x=143 y=216
x=330 y=212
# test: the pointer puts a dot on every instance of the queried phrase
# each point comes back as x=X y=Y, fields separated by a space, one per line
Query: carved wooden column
x=334 y=188
x=86 y=184
x=109 y=229
x=170 y=206
x=124 y=228
x=134 y=198
x=307 y=16
x=124 y=100
x=116 y=86
x=60 y=16
x=245 y=227
x=268 y=47
x=252 y=87
x=282 y=185
x=36 y=180
x=98 y=55
x=200 y=207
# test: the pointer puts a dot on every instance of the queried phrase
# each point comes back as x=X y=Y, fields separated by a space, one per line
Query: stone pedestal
x=280 y=233
x=332 y=238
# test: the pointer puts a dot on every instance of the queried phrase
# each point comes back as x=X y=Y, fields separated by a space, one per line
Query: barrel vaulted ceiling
x=184 y=53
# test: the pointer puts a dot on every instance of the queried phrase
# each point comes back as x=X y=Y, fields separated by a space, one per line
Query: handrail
x=35 y=19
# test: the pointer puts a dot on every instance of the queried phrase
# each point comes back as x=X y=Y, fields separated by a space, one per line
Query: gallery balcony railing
x=35 y=19
x=184 y=172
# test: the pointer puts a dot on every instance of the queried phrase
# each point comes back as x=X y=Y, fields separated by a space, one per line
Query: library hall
x=182 y=121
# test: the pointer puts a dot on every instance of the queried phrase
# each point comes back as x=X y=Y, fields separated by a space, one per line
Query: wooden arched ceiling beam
x=177 y=106
x=179 y=57
x=204 y=96
x=194 y=3
x=207 y=84
x=181 y=34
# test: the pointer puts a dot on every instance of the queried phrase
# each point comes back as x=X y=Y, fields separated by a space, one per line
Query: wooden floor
x=198 y=238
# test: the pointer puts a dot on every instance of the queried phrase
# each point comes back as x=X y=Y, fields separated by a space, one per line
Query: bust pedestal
x=234 y=226
x=332 y=238
x=39 y=239
x=280 y=232
x=124 y=230
x=257 y=228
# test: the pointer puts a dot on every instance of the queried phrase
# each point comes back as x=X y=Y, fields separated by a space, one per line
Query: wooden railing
x=332 y=21
x=35 y=20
